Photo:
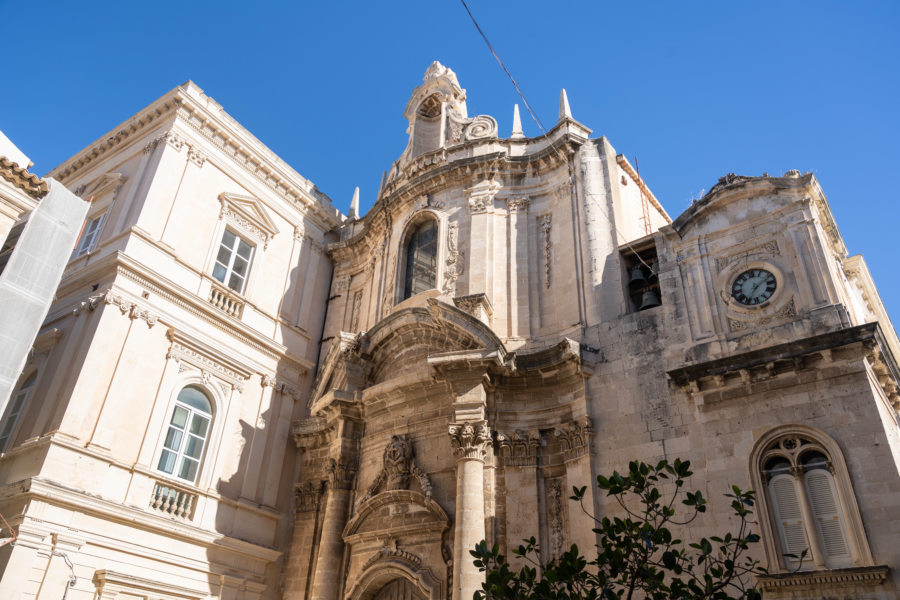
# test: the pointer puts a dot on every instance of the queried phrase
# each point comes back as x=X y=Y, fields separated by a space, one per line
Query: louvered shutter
x=788 y=516
x=827 y=514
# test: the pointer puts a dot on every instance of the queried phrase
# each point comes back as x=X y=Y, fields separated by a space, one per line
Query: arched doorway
x=399 y=589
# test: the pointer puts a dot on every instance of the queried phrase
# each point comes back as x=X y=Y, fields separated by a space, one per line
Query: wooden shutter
x=788 y=516
x=827 y=514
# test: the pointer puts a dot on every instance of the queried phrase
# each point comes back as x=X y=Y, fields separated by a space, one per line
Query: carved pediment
x=396 y=513
x=248 y=214
x=101 y=186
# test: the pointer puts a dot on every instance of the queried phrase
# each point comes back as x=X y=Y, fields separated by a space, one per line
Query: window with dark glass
x=186 y=434
x=233 y=261
x=421 y=260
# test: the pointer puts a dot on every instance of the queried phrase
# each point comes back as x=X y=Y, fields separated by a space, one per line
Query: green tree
x=638 y=555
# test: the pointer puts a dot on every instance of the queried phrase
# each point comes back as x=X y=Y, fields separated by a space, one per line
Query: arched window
x=15 y=410
x=807 y=496
x=186 y=434
x=421 y=260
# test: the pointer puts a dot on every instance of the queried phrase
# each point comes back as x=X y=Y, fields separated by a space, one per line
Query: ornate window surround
x=856 y=536
x=415 y=221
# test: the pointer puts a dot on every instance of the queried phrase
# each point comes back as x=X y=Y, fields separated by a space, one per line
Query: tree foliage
x=637 y=556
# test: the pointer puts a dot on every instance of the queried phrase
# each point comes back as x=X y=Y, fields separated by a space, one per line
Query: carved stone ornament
x=398 y=465
x=454 y=266
x=469 y=440
x=184 y=353
x=308 y=496
x=556 y=517
x=519 y=449
x=130 y=309
x=177 y=142
x=392 y=550
x=247 y=214
x=355 y=311
x=480 y=127
x=768 y=249
x=787 y=311
x=575 y=437
x=514 y=205
x=481 y=196
x=341 y=475
x=546 y=223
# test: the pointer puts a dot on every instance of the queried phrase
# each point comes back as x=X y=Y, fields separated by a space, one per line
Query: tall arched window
x=186 y=434
x=15 y=410
x=810 y=504
x=421 y=260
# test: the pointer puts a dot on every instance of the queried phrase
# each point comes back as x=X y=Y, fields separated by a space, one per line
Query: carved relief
x=355 y=311
x=786 y=311
x=514 y=205
x=545 y=223
x=308 y=496
x=469 y=440
x=183 y=354
x=398 y=465
x=480 y=127
x=575 y=437
x=556 y=517
x=519 y=449
x=770 y=248
x=481 y=196
x=131 y=309
x=392 y=550
x=454 y=261
x=247 y=214
x=341 y=474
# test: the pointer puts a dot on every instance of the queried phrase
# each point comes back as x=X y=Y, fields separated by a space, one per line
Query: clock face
x=753 y=287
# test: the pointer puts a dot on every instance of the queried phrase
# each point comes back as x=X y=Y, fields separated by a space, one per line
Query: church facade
x=242 y=393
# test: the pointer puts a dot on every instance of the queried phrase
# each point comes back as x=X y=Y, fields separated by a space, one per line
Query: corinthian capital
x=469 y=440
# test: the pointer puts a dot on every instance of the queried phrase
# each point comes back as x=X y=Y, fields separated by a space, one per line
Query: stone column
x=470 y=442
x=330 y=559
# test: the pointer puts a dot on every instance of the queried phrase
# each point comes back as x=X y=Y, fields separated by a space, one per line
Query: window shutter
x=827 y=513
x=788 y=515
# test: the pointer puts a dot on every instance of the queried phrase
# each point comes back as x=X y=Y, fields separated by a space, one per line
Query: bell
x=649 y=299
x=637 y=279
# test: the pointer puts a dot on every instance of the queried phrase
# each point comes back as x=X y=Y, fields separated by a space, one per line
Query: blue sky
x=693 y=89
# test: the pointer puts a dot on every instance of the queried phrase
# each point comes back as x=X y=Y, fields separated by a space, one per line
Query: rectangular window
x=89 y=236
x=233 y=261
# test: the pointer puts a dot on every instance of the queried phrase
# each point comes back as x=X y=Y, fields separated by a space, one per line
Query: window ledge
x=853 y=576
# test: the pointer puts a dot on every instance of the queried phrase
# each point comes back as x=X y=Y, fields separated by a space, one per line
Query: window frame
x=415 y=222
x=845 y=498
x=28 y=384
x=229 y=268
x=89 y=237
x=211 y=434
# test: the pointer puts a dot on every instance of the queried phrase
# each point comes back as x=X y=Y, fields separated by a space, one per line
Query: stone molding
x=828 y=579
x=177 y=142
x=280 y=385
x=480 y=197
x=517 y=204
x=111 y=584
x=185 y=350
x=132 y=310
x=759 y=252
x=247 y=214
x=470 y=440
x=393 y=551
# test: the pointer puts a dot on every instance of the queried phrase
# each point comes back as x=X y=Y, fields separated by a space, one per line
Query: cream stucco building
x=241 y=393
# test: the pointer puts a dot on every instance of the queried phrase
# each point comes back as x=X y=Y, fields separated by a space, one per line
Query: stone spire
x=354 y=205
x=517 y=124
x=564 y=111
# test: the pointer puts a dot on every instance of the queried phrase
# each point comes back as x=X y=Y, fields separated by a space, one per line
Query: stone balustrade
x=226 y=301
x=173 y=501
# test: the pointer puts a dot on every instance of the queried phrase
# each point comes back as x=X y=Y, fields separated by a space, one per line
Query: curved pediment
x=395 y=513
x=412 y=334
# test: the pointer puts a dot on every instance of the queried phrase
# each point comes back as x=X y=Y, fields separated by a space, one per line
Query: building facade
x=241 y=393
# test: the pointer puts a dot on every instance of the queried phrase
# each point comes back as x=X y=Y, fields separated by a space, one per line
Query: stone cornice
x=207 y=359
x=854 y=576
x=207 y=119
x=58 y=495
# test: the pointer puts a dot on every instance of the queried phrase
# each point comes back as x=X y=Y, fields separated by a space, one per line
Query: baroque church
x=241 y=393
